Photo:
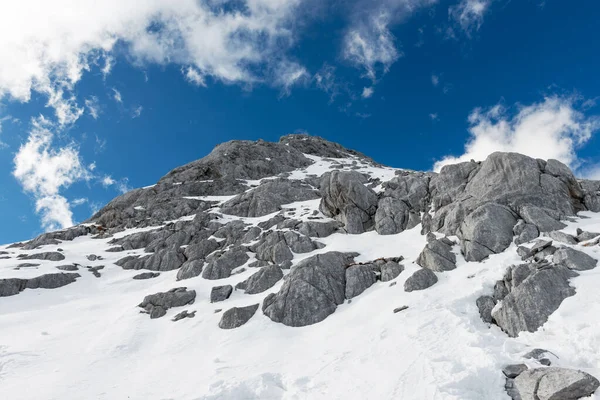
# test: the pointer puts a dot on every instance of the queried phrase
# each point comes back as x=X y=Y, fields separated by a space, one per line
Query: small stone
x=514 y=370
x=397 y=310
x=421 y=279
x=220 y=293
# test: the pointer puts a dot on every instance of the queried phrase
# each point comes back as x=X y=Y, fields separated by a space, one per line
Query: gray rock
x=562 y=237
x=190 y=269
x=50 y=256
x=401 y=308
x=390 y=270
x=541 y=255
x=184 y=314
x=200 y=250
x=222 y=264
x=591 y=190
x=13 y=286
x=583 y=236
x=514 y=370
x=394 y=216
x=500 y=290
x=574 y=259
x=163 y=260
x=311 y=291
x=532 y=299
x=525 y=232
x=318 y=146
x=220 y=293
x=487 y=230
x=68 y=267
x=359 y=278
x=237 y=316
x=345 y=197
x=262 y=280
x=540 y=218
x=437 y=256
x=555 y=384
x=410 y=187
x=485 y=304
x=27 y=265
x=157 y=304
x=146 y=275
x=420 y=280
x=318 y=229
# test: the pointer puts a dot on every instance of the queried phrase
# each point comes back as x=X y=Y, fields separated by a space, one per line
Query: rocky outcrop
x=157 y=304
x=13 y=286
x=237 y=316
x=220 y=293
x=162 y=260
x=49 y=256
x=437 y=256
x=262 y=280
x=190 y=269
x=359 y=278
x=394 y=216
x=554 y=384
x=220 y=265
x=574 y=259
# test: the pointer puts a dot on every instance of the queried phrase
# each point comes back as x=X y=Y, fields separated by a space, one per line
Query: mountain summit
x=304 y=270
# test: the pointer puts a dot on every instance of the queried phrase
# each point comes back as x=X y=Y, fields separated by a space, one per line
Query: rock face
x=12 y=286
x=345 y=197
x=157 y=304
x=221 y=265
x=554 y=384
x=312 y=290
x=358 y=279
x=394 y=216
x=237 y=316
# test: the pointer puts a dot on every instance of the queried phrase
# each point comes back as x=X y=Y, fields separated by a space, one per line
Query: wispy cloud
x=367 y=92
x=468 y=14
x=434 y=117
x=93 y=106
x=435 y=79
x=194 y=76
x=137 y=111
x=117 y=96
x=553 y=128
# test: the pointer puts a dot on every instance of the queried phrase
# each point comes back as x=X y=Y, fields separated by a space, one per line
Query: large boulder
x=312 y=290
x=237 y=316
x=420 y=280
x=555 y=384
x=12 y=286
x=318 y=229
x=190 y=269
x=437 y=256
x=49 y=256
x=262 y=280
x=221 y=265
x=359 y=278
x=201 y=250
x=345 y=197
x=574 y=259
x=220 y=293
x=410 y=187
x=162 y=260
x=157 y=304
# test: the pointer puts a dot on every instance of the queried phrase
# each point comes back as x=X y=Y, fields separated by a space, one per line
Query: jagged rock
x=299 y=243
x=514 y=370
x=540 y=218
x=500 y=290
x=420 y=280
x=157 y=304
x=534 y=295
x=555 y=384
x=524 y=252
x=312 y=290
x=485 y=305
x=12 y=286
x=184 y=314
x=487 y=230
x=562 y=237
x=344 y=196
x=447 y=186
x=94 y=270
x=437 y=256
x=58 y=236
x=525 y=232
x=268 y=198
x=115 y=249
x=274 y=248
x=583 y=236
x=541 y=255
x=591 y=198
x=318 y=229
x=68 y=267
x=261 y=280
x=390 y=270
x=221 y=264
x=146 y=275
x=318 y=146
x=359 y=278
x=49 y=256
x=237 y=316
x=27 y=265
x=190 y=269
x=394 y=216
x=162 y=260
x=410 y=187
x=220 y=293
x=574 y=259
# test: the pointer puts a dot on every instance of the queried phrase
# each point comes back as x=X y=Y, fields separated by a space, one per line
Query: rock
x=50 y=256
x=221 y=265
x=190 y=269
x=487 y=230
x=420 y=280
x=184 y=314
x=540 y=245
x=318 y=146
x=540 y=355
x=27 y=265
x=540 y=218
x=358 y=279
x=500 y=290
x=68 y=267
x=541 y=255
x=394 y=216
x=345 y=197
x=200 y=250
x=237 y=316
x=533 y=299
x=262 y=280
x=514 y=370
x=93 y=257
x=115 y=249
x=410 y=187
x=162 y=260
x=562 y=237
x=157 y=304
x=524 y=252
x=318 y=229
x=13 y=286
x=574 y=259
x=525 y=232
x=390 y=270
x=555 y=384
x=94 y=270
x=485 y=305
x=437 y=256
x=583 y=236
x=402 y=308
x=220 y=293
x=146 y=275
x=311 y=291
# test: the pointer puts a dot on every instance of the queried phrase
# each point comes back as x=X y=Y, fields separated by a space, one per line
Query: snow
x=88 y=340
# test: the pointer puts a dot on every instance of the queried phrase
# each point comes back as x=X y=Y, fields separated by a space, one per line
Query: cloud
x=3 y=120
x=122 y=185
x=194 y=76
x=325 y=79
x=367 y=92
x=43 y=172
x=93 y=106
x=553 y=128
x=79 y=201
x=137 y=112
x=434 y=117
x=107 y=181
x=287 y=74
x=435 y=80
x=117 y=96
x=468 y=14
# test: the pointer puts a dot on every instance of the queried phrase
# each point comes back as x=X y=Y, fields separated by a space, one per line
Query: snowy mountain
x=304 y=270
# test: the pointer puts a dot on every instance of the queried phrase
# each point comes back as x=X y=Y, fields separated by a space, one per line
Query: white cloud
x=194 y=76
x=468 y=14
x=79 y=201
x=553 y=128
x=137 y=112
x=367 y=92
x=122 y=185
x=44 y=172
x=107 y=181
x=93 y=106
x=434 y=116
x=99 y=147
x=4 y=119
x=287 y=74
x=435 y=80
x=326 y=80
x=117 y=96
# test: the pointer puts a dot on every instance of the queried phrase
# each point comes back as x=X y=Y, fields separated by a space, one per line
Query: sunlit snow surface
x=88 y=340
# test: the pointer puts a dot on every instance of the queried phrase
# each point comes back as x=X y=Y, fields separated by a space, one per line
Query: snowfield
x=88 y=340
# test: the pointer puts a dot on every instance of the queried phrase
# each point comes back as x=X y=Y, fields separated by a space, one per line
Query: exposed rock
x=514 y=370
x=222 y=264
x=27 y=265
x=574 y=259
x=68 y=267
x=562 y=237
x=358 y=279
x=402 y=308
x=583 y=236
x=220 y=293
x=390 y=270
x=394 y=216
x=555 y=384
x=162 y=260
x=318 y=146
x=486 y=304
x=540 y=355
x=262 y=280
x=525 y=232
x=201 y=249
x=437 y=256
x=184 y=314
x=237 y=316
x=345 y=197
x=312 y=290
x=146 y=275
x=591 y=198
x=58 y=236
x=410 y=187
x=50 y=256
x=190 y=269
x=157 y=304
x=540 y=218
x=420 y=280
x=12 y=286
x=318 y=229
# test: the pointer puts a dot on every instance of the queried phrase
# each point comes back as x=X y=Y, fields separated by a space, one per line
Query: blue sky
x=101 y=98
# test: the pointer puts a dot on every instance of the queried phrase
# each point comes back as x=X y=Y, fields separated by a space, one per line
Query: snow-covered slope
x=89 y=340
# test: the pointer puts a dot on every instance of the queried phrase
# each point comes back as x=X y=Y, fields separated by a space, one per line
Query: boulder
x=514 y=370
x=359 y=278
x=562 y=237
x=485 y=305
x=222 y=264
x=190 y=269
x=157 y=304
x=49 y=256
x=420 y=280
x=437 y=256
x=390 y=270
x=394 y=216
x=183 y=314
x=200 y=250
x=68 y=267
x=318 y=229
x=541 y=218
x=146 y=275
x=583 y=236
x=220 y=293
x=237 y=316
x=574 y=259
x=555 y=384
x=262 y=280
x=525 y=232
x=311 y=291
